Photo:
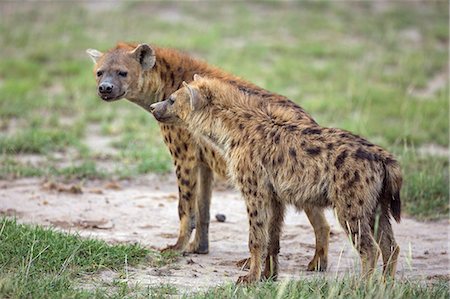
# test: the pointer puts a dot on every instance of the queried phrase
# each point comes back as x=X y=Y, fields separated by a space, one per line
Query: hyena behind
x=276 y=159
x=146 y=74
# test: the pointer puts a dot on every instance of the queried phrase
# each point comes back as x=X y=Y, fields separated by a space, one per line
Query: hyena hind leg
x=275 y=228
x=360 y=234
x=389 y=248
x=200 y=244
x=321 y=228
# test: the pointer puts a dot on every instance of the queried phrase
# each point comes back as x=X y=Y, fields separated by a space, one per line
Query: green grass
x=331 y=288
x=348 y=64
x=424 y=195
x=41 y=263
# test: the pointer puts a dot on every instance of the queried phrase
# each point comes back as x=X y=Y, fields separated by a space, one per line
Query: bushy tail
x=391 y=187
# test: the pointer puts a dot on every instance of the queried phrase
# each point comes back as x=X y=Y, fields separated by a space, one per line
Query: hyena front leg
x=183 y=153
x=275 y=227
x=187 y=194
x=258 y=211
x=321 y=228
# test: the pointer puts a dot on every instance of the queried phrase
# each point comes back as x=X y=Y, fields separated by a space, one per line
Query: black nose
x=105 y=88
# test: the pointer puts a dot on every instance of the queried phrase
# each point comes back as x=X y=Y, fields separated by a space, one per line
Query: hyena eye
x=99 y=73
x=123 y=74
x=171 y=100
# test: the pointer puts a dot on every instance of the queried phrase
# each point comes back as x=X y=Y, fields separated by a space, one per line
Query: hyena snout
x=105 y=88
x=163 y=112
x=158 y=111
x=152 y=108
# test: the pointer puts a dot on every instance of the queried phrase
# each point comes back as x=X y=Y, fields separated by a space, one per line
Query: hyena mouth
x=111 y=99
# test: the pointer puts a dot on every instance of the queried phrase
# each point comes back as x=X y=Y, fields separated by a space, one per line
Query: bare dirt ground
x=144 y=210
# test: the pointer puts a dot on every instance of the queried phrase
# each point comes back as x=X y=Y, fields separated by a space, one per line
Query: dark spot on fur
x=311 y=131
x=354 y=180
x=241 y=127
x=184 y=182
x=365 y=155
x=349 y=205
x=313 y=151
x=181 y=212
x=361 y=202
x=346 y=175
x=259 y=223
x=367 y=181
x=292 y=152
x=340 y=159
x=280 y=159
x=276 y=139
x=291 y=128
x=172 y=78
x=356 y=176
x=330 y=146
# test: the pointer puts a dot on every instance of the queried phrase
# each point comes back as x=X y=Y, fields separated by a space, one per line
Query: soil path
x=144 y=210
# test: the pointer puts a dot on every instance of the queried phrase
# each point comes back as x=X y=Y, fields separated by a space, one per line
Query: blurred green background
x=379 y=69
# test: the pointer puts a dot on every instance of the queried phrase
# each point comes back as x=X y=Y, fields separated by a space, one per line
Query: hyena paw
x=175 y=247
x=197 y=247
x=243 y=264
x=246 y=279
x=317 y=264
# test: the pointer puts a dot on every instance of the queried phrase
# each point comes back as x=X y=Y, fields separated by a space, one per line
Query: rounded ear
x=145 y=55
x=196 y=99
x=94 y=54
x=197 y=77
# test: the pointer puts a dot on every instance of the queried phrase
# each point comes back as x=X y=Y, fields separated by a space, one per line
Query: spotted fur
x=152 y=74
x=275 y=159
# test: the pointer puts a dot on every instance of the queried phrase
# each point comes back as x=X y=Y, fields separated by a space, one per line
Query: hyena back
x=146 y=74
x=275 y=159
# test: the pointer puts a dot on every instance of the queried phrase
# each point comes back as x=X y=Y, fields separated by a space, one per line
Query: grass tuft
x=36 y=262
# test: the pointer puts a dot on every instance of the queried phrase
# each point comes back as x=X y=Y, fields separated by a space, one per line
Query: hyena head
x=184 y=104
x=119 y=71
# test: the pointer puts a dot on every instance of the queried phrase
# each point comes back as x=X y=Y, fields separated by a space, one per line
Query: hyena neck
x=171 y=69
x=209 y=129
x=221 y=126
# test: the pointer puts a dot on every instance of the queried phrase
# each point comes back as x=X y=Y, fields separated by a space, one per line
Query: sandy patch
x=145 y=210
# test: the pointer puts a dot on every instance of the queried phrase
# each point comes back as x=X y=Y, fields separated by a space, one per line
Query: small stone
x=221 y=217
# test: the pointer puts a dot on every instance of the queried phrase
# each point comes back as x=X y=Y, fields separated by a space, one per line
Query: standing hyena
x=276 y=158
x=145 y=75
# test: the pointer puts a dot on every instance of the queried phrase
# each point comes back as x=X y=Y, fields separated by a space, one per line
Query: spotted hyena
x=276 y=158
x=146 y=74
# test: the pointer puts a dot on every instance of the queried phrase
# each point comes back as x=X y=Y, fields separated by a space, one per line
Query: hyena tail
x=391 y=188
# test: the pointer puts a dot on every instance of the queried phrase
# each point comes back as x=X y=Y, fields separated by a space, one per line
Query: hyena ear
x=196 y=99
x=94 y=54
x=197 y=77
x=145 y=55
